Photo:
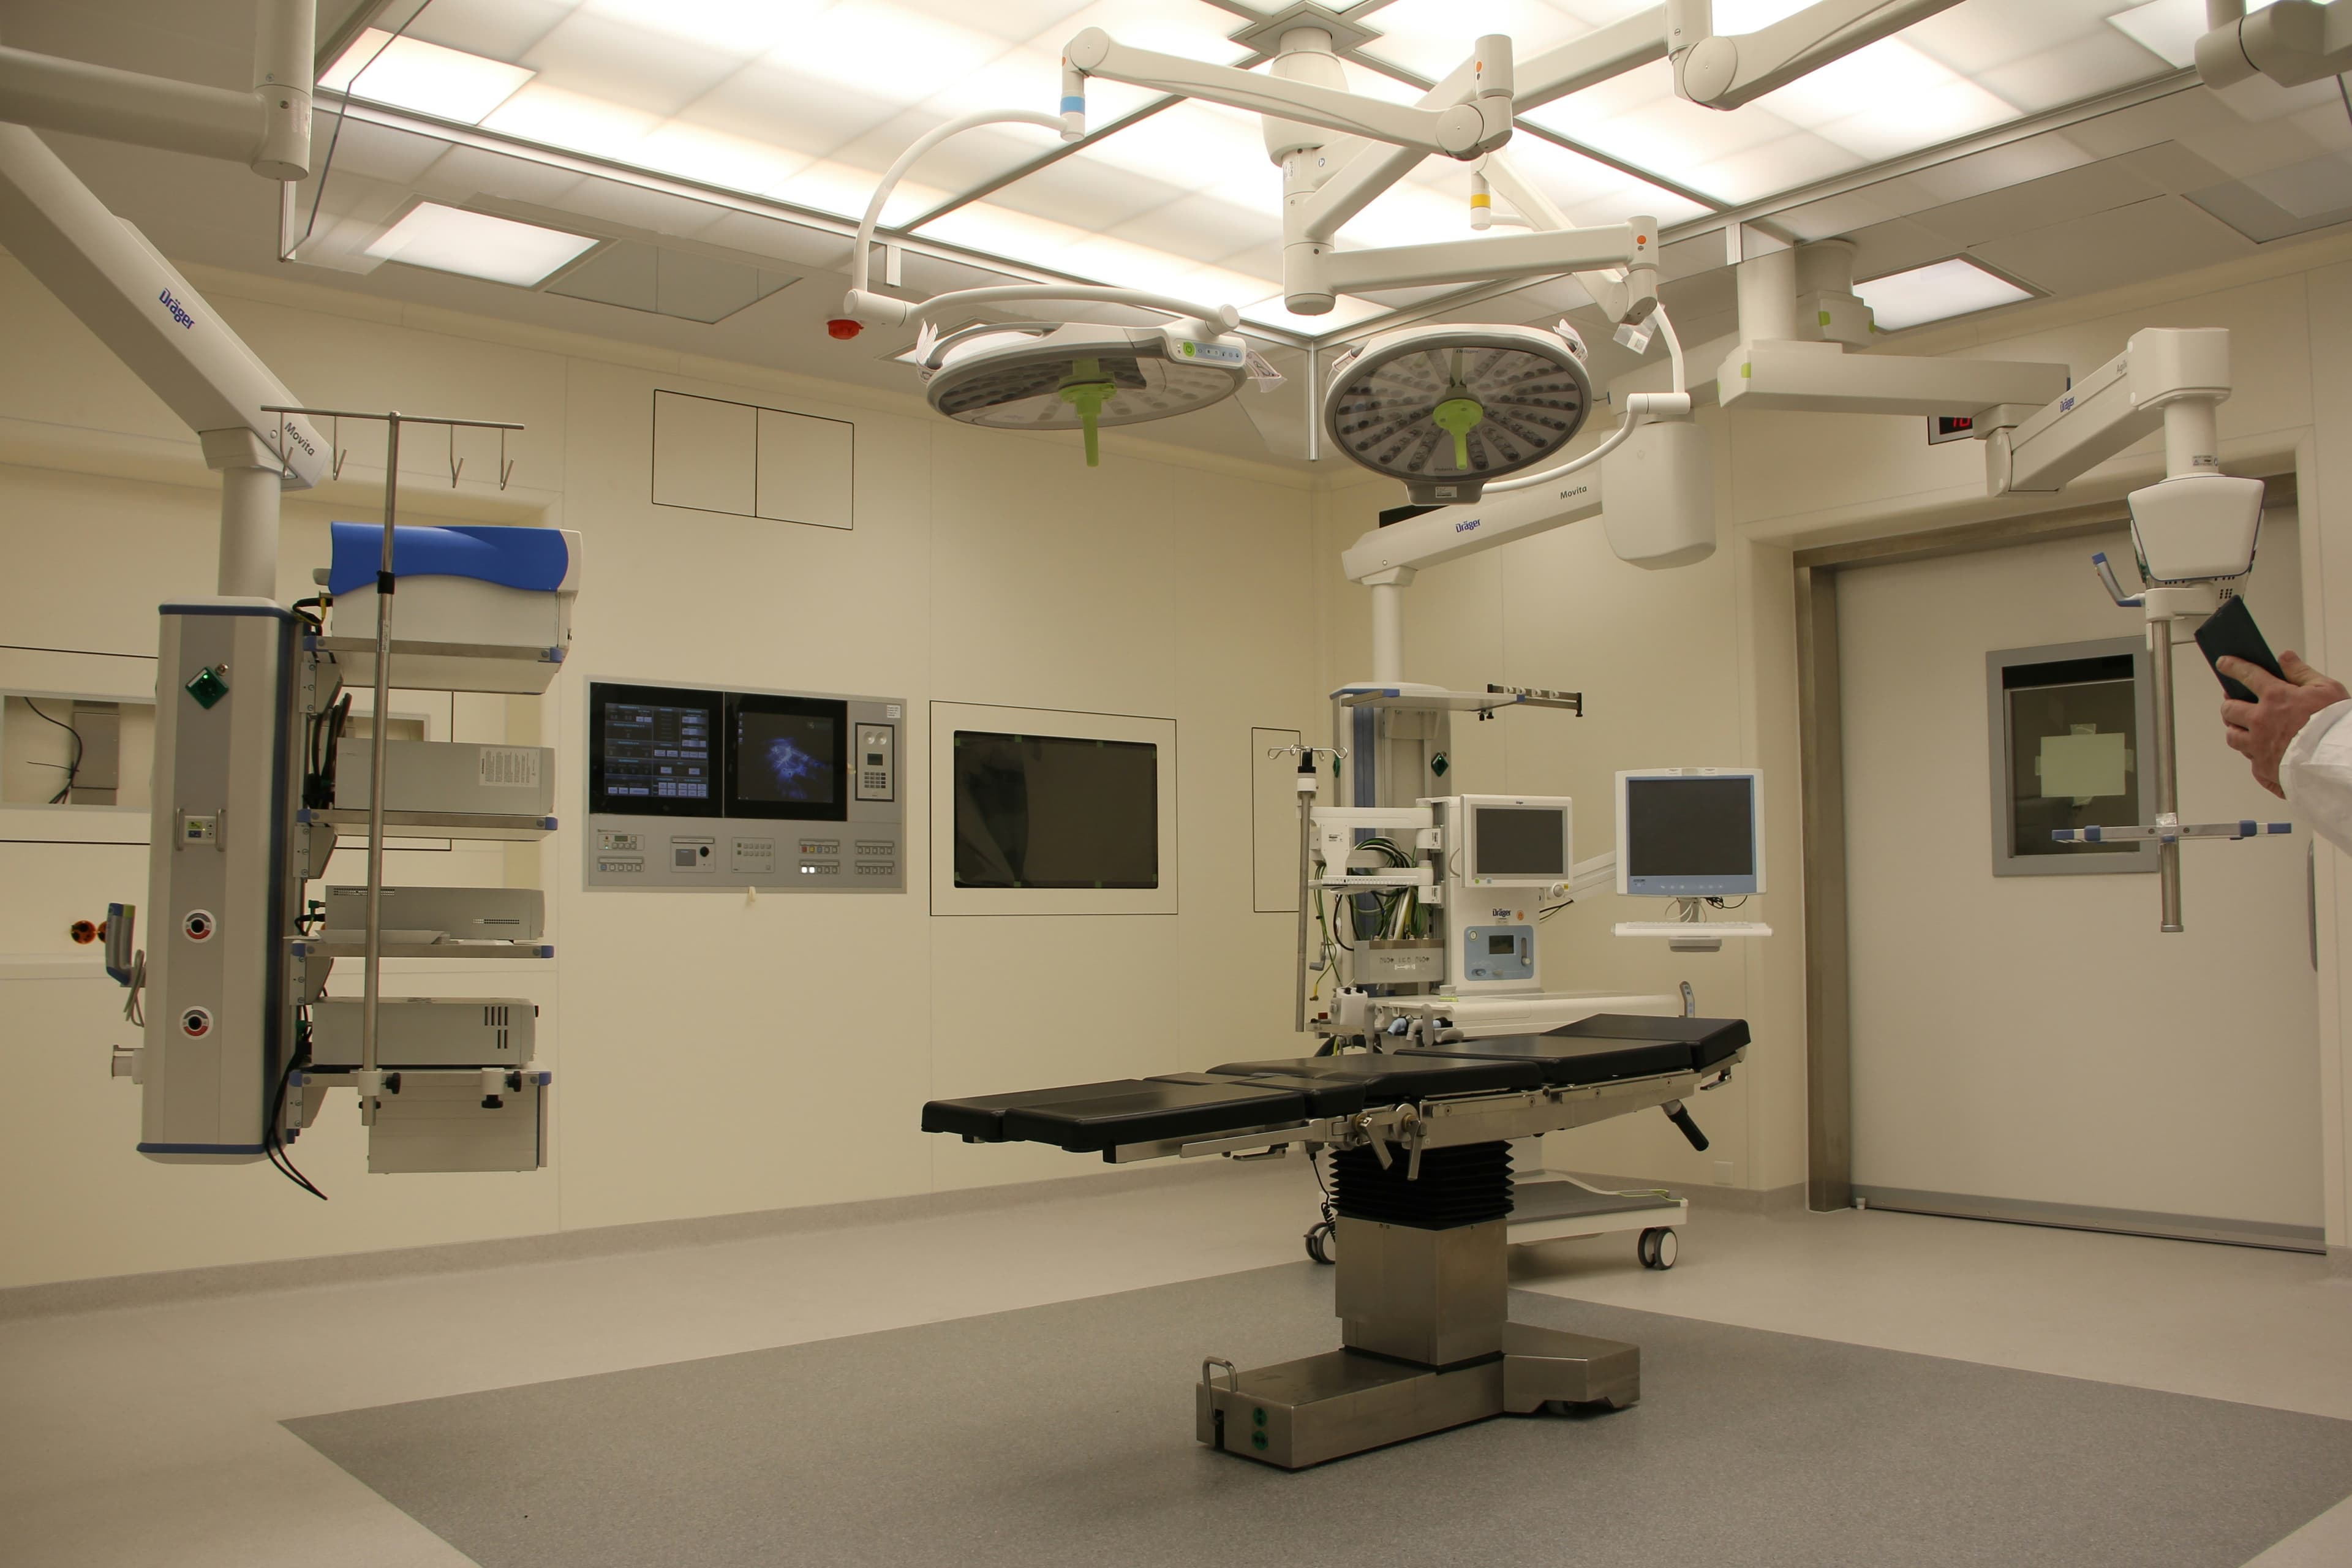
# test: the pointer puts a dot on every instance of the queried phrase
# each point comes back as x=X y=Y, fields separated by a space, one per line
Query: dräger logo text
x=178 y=314
x=1466 y=526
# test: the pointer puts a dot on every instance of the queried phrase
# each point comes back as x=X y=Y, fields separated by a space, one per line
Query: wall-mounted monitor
x=1690 y=833
x=654 y=751
x=787 y=757
x=1040 y=811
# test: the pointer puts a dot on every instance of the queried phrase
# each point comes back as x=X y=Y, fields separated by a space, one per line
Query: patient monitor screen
x=1049 y=811
x=653 y=750
x=1521 y=841
x=1690 y=836
x=787 y=757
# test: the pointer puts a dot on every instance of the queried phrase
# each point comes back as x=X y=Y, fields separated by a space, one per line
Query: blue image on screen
x=785 y=757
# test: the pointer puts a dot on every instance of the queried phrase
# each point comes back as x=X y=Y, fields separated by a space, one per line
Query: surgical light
x=1447 y=407
x=1936 y=292
x=1078 y=377
x=450 y=239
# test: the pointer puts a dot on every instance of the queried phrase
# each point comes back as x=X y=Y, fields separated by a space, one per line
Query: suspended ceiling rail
x=1722 y=220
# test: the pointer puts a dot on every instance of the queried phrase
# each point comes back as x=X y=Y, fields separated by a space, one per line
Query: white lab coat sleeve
x=2316 y=775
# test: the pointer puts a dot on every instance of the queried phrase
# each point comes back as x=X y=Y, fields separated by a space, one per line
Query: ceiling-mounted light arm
x=1072 y=126
x=267 y=128
x=2292 y=42
x=1476 y=121
x=1611 y=286
x=1633 y=245
x=1355 y=174
x=1726 y=72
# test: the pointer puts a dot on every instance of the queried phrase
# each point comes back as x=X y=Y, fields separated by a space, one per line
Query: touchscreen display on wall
x=653 y=750
x=1047 y=810
x=787 y=757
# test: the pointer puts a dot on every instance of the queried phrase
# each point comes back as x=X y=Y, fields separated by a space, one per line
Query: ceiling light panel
x=1432 y=37
x=1186 y=27
x=1085 y=193
x=767 y=104
x=408 y=73
x=1588 y=191
x=1245 y=238
x=743 y=29
x=635 y=67
x=1937 y=292
x=2169 y=29
x=555 y=118
x=714 y=158
x=449 y=239
x=1884 y=100
x=899 y=56
x=844 y=189
x=1196 y=146
x=1741 y=156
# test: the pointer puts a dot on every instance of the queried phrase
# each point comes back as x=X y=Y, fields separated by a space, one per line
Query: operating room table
x=1422 y=1186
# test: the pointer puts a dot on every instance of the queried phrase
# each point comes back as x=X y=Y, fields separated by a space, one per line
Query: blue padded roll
x=530 y=558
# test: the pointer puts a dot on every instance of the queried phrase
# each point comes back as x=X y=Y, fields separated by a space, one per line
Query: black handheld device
x=2229 y=632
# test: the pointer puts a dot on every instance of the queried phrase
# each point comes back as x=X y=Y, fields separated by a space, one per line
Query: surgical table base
x=1300 y=1412
x=1421 y=1182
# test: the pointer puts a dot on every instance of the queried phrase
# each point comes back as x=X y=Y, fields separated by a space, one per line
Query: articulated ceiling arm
x=1479 y=119
x=267 y=128
x=1726 y=72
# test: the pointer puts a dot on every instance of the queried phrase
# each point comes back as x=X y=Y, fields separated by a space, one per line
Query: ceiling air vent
x=636 y=276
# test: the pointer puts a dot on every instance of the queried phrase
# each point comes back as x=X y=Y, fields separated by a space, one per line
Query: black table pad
x=1606 y=1047
x=1391 y=1078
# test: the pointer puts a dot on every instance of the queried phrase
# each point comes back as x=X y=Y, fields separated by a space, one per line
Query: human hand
x=2261 y=731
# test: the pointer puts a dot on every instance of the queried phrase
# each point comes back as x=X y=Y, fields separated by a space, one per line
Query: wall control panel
x=693 y=788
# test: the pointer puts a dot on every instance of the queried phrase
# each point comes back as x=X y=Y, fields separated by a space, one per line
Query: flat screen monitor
x=1519 y=843
x=1690 y=833
x=1055 y=811
x=787 y=757
x=653 y=750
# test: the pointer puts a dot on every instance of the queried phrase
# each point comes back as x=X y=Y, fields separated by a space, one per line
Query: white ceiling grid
x=805 y=102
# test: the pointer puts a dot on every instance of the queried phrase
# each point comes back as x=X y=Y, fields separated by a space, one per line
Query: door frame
x=1821 y=741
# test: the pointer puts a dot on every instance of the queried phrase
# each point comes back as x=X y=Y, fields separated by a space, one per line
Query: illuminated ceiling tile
x=449 y=239
x=2068 y=72
x=2170 y=29
x=714 y=158
x=1017 y=79
x=994 y=230
x=1887 y=100
x=895 y=55
x=1345 y=313
x=1590 y=192
x=598 y=58
x=1412 y=213
x=835 y=187
x=1195 y=147
x=407 y=73
x=744 y=29
x=555 y=118
x=1085 y=193
x=1209 y=226
x=1432 y=36
x=768 y=105
x=1171 y=27
x=1116 y=261
x=1936 y=292
x=1977 y=37
x=961 y=162
x=1783 y=164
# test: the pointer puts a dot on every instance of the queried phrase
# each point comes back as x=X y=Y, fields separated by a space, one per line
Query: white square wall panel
x=706 y=453
x=804 y=468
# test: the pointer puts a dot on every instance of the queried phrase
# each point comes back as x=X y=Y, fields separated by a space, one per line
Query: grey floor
x=1061 y=1432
